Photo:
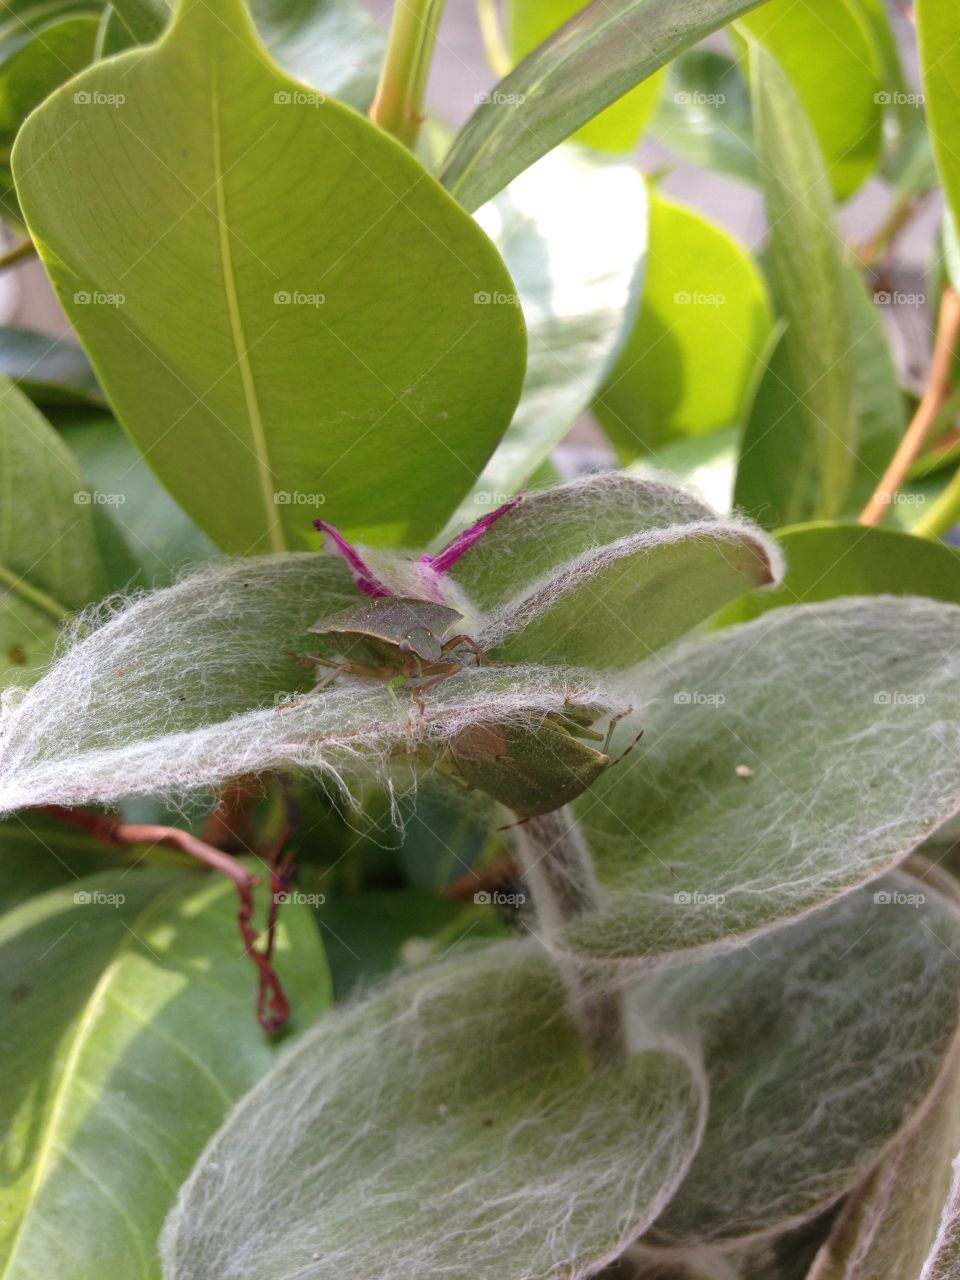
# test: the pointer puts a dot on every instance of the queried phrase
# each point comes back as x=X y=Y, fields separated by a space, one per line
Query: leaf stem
x=494 y=45
x=937 y=390
x=272 y=1006
x=399 y=104
x=21 y=252
x=944 y=513
x=558 y=871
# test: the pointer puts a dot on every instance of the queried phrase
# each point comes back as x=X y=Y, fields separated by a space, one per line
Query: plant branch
x=272 y=1006
x=19 y=253
x=558 y=871
x=494 y=45
x=399 y=104
x=937 y=390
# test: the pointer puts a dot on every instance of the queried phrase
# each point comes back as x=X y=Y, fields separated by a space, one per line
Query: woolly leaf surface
x=449 y=1125
x=194 y=684
x=129 y=1030
x=821 y=1042
x=848 y=715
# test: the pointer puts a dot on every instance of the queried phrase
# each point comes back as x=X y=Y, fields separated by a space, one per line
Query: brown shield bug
x=531 y=765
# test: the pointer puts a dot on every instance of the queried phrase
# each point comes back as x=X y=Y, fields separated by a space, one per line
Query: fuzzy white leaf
x=194 y=684
x=450 y=1126
x=784 y=762
x=821 y=1042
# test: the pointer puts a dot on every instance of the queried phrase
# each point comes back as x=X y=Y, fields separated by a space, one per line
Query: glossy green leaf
x=940 y=68
x=828 y=53
x=825 y=561
x=35 y=60
x=51 y=560
x=783 y=763
x=161 y=536
x=597 y=57
x=271 y=342
x=618 y=128
x=807 y=258
x=821 y=1041
x=694 y=350
x=38 y=853
x=704 y=114
x=777 y=481
x=53 y=372
x=578 y=294
x=506 y=1154
x=333 y=45
x=128 y=1032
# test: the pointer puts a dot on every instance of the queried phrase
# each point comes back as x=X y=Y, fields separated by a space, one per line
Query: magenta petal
x=361 y=574
x=444 y=560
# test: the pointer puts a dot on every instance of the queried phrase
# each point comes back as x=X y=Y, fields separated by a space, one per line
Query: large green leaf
x=450 y=1125
x=783 y=762
x=595 y=58
x=825 y=561
x=940 y=67
x=807 y=258
x=51 y=561
x=578 y=293
x=703 y=324
x=38 y=853
x=821 y=1042
x=827 y=50
x=776 y=481
x=270 y=356
x=128 y=1032
x=619 y=128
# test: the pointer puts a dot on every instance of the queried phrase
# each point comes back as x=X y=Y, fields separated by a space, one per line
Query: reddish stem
x=273 y=1008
